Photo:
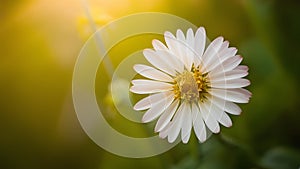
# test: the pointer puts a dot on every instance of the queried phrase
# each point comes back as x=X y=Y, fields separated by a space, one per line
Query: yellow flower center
x=191 y=85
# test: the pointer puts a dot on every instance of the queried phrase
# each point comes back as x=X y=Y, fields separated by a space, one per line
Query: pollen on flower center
x=191 y=85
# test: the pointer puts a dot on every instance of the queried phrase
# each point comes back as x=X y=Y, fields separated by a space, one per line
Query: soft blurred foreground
x=41 y=39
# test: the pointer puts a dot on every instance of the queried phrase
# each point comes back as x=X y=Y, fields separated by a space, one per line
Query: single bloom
x=190 y=86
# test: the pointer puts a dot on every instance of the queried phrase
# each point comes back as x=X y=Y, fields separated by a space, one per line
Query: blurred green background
x=41 y=39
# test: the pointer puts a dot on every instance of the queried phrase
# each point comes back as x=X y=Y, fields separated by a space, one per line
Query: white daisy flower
x=191 y=86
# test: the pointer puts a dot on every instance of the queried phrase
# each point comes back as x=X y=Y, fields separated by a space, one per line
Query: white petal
x=221 y=57
x=172 y=60
x=187 y=137
x=224 y=46
x=190 y=38
x=228 y=64
x=184 y=50
x=152 y=73
x=143 y=104
x=180 y=35
x=176 y=124
x=198 y=123
x=232 y=62
x=149 y=82
x=219 y=115
x=166 y=117
x=190 y=52
x=149 y=86
x=186 y=124
x=243 y=91
x=157 y=109
x=233 y=95
x=232 y=108
x=200 y=39
x=242 y=67
x=227 y=53
x=225 y=120
x=229 y=75
x=164 y=133
x=230 y=84
x=208 y=118
x=147 y=102
x=159 y=61
x=225 y=105
x=158 y=45
x=211 y=52
x=171 y=43
x=195 y=110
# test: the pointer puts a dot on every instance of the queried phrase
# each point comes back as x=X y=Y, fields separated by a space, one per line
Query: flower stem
x=99 y=42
